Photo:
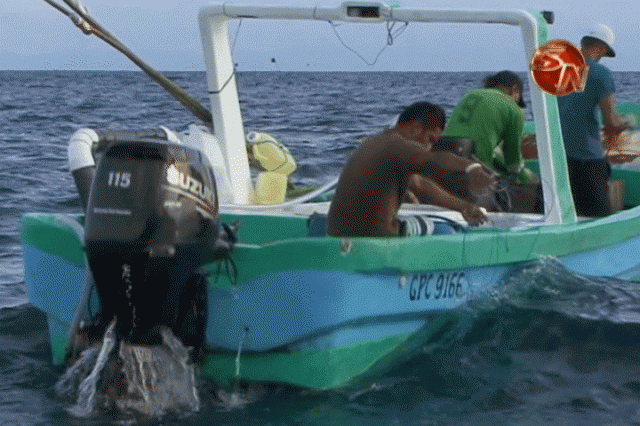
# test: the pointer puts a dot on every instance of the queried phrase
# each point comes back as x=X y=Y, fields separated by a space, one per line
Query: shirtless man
x=374 y=181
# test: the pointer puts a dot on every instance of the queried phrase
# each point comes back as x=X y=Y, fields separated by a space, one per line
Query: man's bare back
x=370 y=189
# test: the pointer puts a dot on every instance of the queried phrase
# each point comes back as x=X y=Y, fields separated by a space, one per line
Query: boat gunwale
x=477 y=247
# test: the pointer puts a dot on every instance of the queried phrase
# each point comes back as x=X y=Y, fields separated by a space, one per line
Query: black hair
x=428 y=114
x=507 y=79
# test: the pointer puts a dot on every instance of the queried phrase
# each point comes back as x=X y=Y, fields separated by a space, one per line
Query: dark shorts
x=590 y=186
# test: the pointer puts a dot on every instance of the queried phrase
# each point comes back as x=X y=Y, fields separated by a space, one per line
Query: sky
x=164 y=33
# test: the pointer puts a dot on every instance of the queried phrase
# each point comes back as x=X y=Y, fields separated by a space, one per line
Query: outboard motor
x=152 y=221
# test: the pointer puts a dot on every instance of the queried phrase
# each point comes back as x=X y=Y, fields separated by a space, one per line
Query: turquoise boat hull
x=323 y=312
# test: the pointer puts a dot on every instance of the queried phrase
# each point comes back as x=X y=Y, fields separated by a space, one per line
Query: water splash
x=86 y=403
x=242 y=395
x=235 y=399
x=159 y=378
x=148 y=380
x=69 y=383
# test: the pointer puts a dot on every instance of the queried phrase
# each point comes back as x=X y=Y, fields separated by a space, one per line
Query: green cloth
x=495 y=121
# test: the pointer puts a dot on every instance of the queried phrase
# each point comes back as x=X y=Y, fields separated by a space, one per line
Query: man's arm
x=480 y=179
x=415 y=158
x=613 y=123
x=428 y=191
x=432 y=164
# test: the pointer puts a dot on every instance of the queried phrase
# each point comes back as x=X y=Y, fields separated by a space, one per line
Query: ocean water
x=552 y=347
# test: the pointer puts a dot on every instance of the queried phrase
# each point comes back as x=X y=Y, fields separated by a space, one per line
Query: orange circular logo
x=559 y=68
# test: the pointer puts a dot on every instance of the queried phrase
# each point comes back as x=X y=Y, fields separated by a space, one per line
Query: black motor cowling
x=151 y=222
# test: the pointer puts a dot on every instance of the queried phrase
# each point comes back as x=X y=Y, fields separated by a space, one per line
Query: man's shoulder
x=598 y=70
x=496 y=100
x=483 y=93
x=599 y=81
x=385 y=143
x=383 y=137
x=495 y=95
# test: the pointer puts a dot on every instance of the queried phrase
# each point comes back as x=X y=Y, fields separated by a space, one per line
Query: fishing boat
x=173 y=235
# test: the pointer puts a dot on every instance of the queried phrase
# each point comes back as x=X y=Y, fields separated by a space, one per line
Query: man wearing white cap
x=589 y=170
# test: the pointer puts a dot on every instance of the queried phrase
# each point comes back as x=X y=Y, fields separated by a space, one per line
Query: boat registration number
x=434 y=286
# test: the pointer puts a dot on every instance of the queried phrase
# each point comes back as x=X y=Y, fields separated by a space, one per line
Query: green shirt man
x=493 y=118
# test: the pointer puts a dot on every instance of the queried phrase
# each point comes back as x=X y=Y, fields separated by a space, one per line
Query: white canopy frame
x=225 y=108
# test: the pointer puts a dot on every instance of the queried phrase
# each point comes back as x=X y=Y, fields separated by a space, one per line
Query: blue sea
x=554 y=348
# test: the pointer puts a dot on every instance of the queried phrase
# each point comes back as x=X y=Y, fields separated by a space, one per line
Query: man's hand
x=614 y=123
x=474 y=214
x=410 y=197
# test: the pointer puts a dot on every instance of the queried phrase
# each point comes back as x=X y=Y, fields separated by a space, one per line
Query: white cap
x=604 y=34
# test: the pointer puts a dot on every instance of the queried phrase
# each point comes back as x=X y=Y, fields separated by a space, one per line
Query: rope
x=390 y=38
x=217 y=92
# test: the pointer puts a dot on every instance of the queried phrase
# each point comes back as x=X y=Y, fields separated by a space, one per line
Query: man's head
x=424 y=120
x=508 y=82
x=598 y=42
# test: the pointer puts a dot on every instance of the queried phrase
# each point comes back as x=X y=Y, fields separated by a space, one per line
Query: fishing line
x=546 y=218
x=244 y=334
x=390 y=38
x=548 y=206
x=501 y=187
x=231 y=269
x=227 y=261
x=235 y=38
x=233 y=73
